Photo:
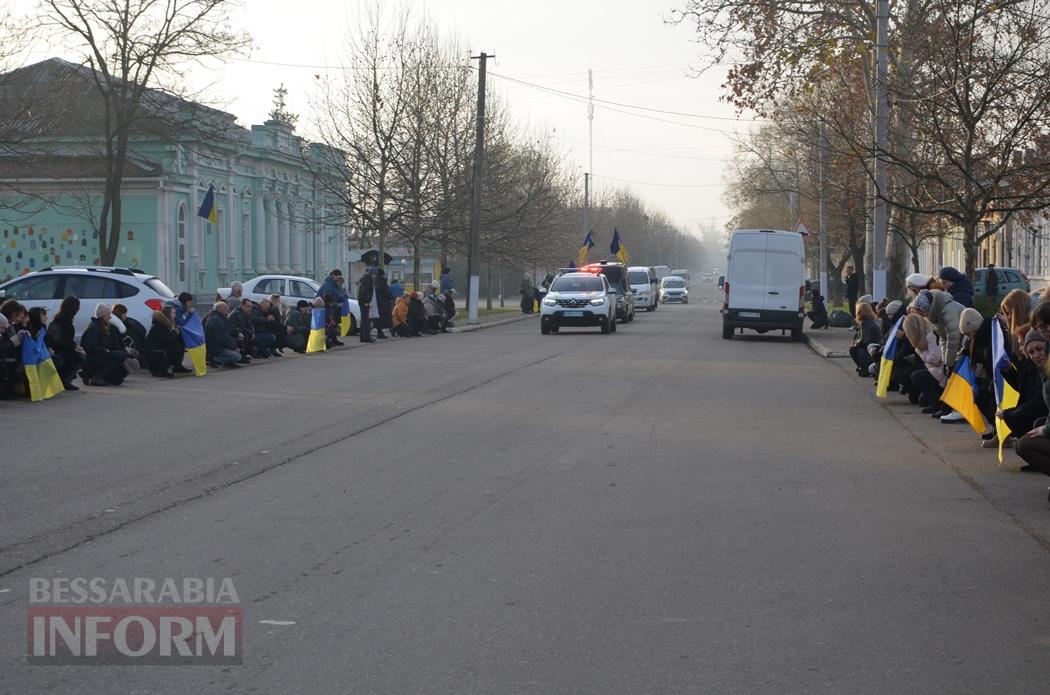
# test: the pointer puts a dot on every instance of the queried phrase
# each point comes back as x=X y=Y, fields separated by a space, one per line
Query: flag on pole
x=316 y=343
x=41 y=374
x=344 y=317
x=208 y=209
x=961 y=394
x=193 y=339
x=1006 y=396
x=889 y=351
x=588 y=244
x=617 y=248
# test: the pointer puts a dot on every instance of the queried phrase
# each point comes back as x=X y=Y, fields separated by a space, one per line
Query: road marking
x=4 y=591
x=281 y=623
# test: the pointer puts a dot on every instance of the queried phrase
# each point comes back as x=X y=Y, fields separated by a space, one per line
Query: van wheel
x=727 y=331
x=796 y=335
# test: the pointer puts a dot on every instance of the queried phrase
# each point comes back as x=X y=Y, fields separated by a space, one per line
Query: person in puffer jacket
x=938 y=307
x=957 y=285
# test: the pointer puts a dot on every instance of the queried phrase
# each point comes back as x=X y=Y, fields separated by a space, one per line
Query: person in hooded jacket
x=298 y=322
x=399 y=318
x=61 y=338
x=928 y=379
x=164 y=350
x=957 y=285
x=417 y=315
x=105 y=354
x=819 y=313
x=869 y=336
x=938 y=307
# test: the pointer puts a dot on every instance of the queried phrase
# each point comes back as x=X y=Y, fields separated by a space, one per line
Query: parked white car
x=140 y=292
x=292 y=288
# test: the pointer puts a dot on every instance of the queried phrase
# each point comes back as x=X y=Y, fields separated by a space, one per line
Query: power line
x=662 y=185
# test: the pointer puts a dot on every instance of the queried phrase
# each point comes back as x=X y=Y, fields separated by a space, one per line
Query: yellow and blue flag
x=316 y=342
x=588 y=244
x=344 y=317
x=1006 y=396
x=889 y=351
x=617 y=248
x=961 y=394
x=193 y=339
x=208 y=209
x=41 y=374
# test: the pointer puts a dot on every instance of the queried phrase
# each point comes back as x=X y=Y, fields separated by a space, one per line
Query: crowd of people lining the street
x=236 y=330
x=939 y=325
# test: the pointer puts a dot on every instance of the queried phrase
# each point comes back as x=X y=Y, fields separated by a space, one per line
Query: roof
x=72 y=166
x=36 y=99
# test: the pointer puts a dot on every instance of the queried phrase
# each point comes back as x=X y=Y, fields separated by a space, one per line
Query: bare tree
x=133 y=48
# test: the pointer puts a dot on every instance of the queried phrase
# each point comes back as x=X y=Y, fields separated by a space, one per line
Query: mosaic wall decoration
x=25 y=249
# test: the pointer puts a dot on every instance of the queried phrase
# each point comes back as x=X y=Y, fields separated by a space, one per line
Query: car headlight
x=550 y=301
x=598 y=302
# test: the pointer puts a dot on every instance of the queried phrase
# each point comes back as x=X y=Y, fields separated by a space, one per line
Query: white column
x=258 y=232
x=283 y=224
x=271 y=236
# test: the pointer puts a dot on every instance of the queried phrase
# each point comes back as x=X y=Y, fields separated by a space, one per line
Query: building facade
x=274 y=211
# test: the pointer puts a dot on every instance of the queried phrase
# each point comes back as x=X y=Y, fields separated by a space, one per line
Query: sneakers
x=952 y=418
x=71 y=387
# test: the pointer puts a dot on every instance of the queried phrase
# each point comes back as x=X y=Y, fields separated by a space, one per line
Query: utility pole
x=823 y=223
x=590 y=155
x=882 y=121
x=586 y=204
x=475 y=203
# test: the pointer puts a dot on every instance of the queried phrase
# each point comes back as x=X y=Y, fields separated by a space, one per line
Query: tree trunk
x=415 y=267
x=488 y=287
x=970 y=246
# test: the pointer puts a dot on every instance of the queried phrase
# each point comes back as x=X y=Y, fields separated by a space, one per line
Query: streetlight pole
x=475 y=207
x=882 y=119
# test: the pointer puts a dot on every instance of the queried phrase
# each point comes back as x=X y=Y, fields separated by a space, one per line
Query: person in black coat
x=957 y=285
x=164 y=350
x=241 y=320
x=12 y=332
x=852 y=283
x=365 y=296
x=136 y=332
x=266 y=328
x=61 y=338
x=819 y=313
x=220 y=339
x=1027 y=379
x=870 y=334
x=384 y=303
x=450 y=307
x=105 y=354
x=417 y=315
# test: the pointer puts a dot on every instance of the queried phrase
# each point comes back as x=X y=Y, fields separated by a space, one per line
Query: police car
x=579 y=299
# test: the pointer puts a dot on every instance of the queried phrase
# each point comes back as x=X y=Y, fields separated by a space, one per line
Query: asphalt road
x=656 y=511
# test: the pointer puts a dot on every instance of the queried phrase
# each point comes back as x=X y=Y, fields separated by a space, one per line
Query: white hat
x=101 y=310
x=917 y=280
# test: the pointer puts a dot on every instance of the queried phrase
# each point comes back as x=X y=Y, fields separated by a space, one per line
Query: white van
x=644 y=285
x=764 y=287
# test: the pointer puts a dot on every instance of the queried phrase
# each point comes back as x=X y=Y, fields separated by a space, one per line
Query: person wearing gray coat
x=943 y=312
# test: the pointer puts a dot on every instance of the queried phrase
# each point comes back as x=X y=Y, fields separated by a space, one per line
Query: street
x=655 y=511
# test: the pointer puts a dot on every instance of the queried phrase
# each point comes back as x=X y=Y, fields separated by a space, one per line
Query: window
x=1012 y=276
x=95 y=287
x=638 y=278
x=180 y=260
x=160 y=288
x=34 y=288
x=302 y=290
x=270 y=286
x=674 y=284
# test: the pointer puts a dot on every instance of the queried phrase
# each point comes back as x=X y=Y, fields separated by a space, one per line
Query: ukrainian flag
x=961 y=394
x=588 y=244
x=41 y=374
x=1006 y=396
x=344 y=317
x=316 y=343
x=617 y=248
x=193 y=339
x=208 y=209
x=889 y=351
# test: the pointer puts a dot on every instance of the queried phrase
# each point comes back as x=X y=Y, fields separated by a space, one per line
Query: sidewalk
x=830 y=342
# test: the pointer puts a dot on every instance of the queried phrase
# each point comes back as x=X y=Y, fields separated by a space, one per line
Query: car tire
x=651 y=307
x=604 y=325
x=353 y=326
x=612 y=326
x=545 y=327
x=727 y=331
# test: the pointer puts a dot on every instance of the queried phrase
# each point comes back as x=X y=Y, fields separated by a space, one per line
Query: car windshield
x=674 y=284
x=577 y=284
x=160 y=288
x=638 y=278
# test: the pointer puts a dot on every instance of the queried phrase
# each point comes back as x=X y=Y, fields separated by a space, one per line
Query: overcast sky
x=673 y=162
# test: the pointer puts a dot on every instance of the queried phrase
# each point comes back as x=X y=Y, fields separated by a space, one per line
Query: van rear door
x=747 y=271
x=783 y=272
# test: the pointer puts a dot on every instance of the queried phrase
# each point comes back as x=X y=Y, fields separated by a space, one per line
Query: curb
x=490 y=324
x=822 y=349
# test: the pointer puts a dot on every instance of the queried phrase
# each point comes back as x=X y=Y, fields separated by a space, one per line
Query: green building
x=274 y=215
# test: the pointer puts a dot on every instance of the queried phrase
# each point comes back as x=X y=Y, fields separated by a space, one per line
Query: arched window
x=180 y=243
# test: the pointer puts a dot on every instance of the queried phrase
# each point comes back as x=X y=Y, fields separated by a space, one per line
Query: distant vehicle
x=673 y=289
x=764 y=286
x=707 y=278
x=1009 y=279
x=140 y=292
x=291 y=288
x=616 y=274
x=661 y=271
x=682 y=273
x=645 y=287
x=579 y=299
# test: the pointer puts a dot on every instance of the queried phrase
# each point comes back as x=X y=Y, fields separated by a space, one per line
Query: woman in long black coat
x=61 y=338
x=164 y=349
x=105 y=352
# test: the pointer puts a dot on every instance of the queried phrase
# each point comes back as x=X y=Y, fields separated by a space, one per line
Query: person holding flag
x=588 y=244
x=929 y=380
x=41 y=375
x=889 y=352
x=1028 y=381
x=196 y=347
x=316 y=341
x=617 y=247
